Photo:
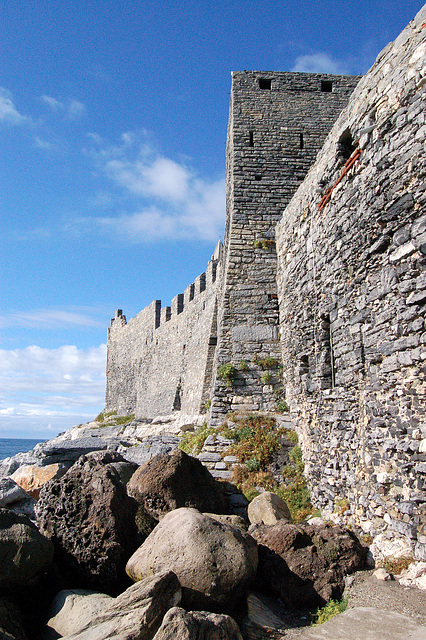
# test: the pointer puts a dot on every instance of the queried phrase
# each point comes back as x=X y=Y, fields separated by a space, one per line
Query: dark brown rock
x=168 y=482
x=11 y=620
x=24 y=551
x=91 y=521
x=197 y=625
x=305 y=565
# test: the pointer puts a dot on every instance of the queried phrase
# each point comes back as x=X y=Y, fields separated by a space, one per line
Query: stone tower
x=278 y=122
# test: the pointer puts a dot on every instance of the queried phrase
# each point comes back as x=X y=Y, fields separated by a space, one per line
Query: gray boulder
x=214 y=562
x=168 y=482
x=136 y=614
x=24 y=551
x=73 y=609
x=197 y=625
x=268 y=508
x=10 y=492
x=91 y=522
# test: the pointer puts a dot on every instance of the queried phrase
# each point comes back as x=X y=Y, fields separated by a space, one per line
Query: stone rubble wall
x=161 y=360
x=277 y=124
x=352 y=299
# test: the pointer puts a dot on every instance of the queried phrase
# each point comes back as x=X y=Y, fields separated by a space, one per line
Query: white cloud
x=72 y=108
x=45 y=145
x=8 y=111
x=37 y=384
x=50 y=319
x=319 y=63
x=164 y=198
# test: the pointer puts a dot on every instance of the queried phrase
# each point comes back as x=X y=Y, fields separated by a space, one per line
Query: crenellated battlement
x=204 y=285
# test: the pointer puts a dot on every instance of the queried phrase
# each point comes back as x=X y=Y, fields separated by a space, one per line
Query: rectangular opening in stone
x=301 y=141
x=326 y=86
x=258 y=177
x=251 y=139
x=265 y=84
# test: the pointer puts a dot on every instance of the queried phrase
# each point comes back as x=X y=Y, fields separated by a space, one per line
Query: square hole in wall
x=257 y=176
x=265 y=84
x=326 y=86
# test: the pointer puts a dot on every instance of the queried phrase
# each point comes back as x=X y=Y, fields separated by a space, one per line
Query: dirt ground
x=363 y=590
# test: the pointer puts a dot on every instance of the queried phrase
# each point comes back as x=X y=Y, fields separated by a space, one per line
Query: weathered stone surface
x=90 y=520
x=305 y=565
x=31 y=477
x=10 y=492
x=73 y=609
x=354 y=375
x=268 y=508
x=213 y=561
x=366 y=623
x=168 y=482
x=197 y=625
x=136 y=614
x=24 y=551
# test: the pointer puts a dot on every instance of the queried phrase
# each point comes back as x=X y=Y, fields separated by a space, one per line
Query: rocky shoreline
x=111 y=531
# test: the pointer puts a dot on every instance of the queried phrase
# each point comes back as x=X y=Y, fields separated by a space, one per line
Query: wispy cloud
x=319 y=63
x=8 y=112
x=45 y=145
x=50 y=319
x=72 y=108
x=45 y=384
x=164 y=198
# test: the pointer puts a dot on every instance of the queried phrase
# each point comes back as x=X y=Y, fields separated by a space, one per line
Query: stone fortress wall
x=321 y=271
x=161 y=361
x=352 y=297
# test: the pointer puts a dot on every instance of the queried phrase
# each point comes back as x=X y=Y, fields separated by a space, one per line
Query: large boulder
x=91 y=522
x=136 y=614
x=268 y=508
x=214 y=561
x=197 y=625
x=24 y=551
x=168 y=482
x=305 y=565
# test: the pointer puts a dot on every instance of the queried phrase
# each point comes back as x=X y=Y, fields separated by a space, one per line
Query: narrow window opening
x=213 y=341
x=326 y=86
x=326 y=365
x=258 y=177
x=251 y=139
x=301 y=141
x=265 y=84
x=191 y=291
x=345 y=145
x=177 y=403
x=214 y=272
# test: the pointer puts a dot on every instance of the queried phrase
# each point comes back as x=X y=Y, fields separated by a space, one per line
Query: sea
x=11 y=446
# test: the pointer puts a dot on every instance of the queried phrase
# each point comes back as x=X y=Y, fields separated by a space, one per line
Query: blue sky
x=113 y=121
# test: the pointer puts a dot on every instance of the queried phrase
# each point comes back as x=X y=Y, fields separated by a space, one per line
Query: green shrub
x=328 y=611
x=192 y=441
x=228 y=373
x=266 y=377
x=282 y=406
x=253 y=464
x=242 y=365
x=266 y=363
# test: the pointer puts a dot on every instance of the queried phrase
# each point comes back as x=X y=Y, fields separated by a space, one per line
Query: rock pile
x=166 y=525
